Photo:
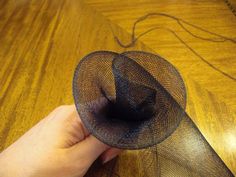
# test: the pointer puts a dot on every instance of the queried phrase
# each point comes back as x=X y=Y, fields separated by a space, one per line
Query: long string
x=230 y=6
x=181 y=22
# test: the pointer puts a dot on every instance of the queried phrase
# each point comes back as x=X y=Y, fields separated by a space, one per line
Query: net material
x=137 y=100
x=125 y=105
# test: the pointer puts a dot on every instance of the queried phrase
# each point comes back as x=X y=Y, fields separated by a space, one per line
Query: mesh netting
x=130 y=100
x=137 y=100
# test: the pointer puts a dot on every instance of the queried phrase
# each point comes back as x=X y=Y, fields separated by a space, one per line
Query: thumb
x=90 y=149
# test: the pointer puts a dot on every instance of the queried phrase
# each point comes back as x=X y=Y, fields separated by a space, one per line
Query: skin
x=59 y=146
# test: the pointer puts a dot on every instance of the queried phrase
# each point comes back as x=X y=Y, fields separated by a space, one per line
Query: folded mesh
x=131 y=100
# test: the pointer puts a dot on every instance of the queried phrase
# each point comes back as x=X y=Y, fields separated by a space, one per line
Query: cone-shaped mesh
x=135 y=100
x=130 y=100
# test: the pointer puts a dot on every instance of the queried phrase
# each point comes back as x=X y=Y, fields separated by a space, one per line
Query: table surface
x=42 y=41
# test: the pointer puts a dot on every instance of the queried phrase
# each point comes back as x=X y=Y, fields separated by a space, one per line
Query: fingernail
x=107 y=159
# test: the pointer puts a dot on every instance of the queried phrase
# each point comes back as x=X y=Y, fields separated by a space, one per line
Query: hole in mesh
x=129 y=109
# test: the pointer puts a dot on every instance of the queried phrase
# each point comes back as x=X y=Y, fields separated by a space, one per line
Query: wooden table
x=41 y=42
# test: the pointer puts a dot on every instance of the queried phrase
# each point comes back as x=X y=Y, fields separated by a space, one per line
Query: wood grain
x=212 y=15
x=42 y=41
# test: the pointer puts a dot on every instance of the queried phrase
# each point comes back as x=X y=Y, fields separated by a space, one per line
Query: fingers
x=65 y=123
x=110 y=154
x=64 y=112
x=68 y=113
x=89 y=149
x=76 y=118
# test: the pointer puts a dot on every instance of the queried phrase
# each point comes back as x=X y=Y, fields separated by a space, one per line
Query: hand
x=58 y=146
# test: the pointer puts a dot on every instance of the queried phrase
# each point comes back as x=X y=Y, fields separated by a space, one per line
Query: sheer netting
x=136 y=100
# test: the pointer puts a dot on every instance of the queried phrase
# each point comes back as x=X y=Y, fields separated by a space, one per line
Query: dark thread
x=230 y=6
x=180 y=21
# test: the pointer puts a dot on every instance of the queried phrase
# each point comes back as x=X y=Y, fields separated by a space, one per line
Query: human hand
x=58 y=146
